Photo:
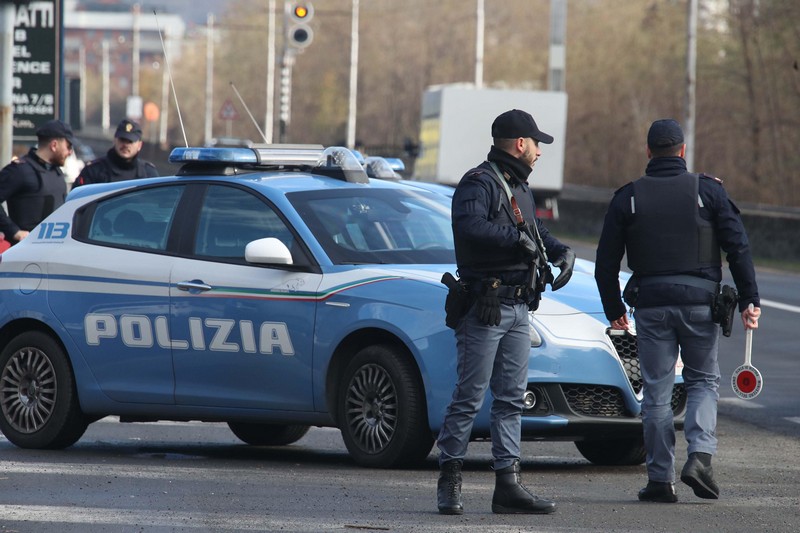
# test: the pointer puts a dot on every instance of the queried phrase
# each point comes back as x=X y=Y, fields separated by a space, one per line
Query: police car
x=276 y=288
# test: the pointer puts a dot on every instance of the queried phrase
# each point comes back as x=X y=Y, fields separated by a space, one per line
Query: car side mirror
x=269 y=251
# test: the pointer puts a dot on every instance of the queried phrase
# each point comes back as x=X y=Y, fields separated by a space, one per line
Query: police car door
x=111 y=292
x=246 y=330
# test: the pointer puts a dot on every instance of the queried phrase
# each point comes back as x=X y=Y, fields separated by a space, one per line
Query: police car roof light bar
x=335 y=161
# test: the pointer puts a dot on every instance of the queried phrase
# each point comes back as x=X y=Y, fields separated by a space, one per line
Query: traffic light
x=298 y=32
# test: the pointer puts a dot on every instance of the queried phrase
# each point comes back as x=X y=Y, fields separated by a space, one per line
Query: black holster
x=724 y=308
x=457 y=303
x=631 y=292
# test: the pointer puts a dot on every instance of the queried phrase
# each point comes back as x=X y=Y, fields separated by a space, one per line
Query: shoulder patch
x=709 y=176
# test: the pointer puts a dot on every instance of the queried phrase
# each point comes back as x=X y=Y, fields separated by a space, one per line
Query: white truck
x=455 y=135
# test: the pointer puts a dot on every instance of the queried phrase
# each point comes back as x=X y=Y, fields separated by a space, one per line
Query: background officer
x=495 y=255
x=122 y=161
x=33 y=186
x=672 y=224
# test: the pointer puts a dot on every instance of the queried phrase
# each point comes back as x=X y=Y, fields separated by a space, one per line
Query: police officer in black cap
x=501 y=252
x=672 y=224
x=122 y=161
x=33 y=186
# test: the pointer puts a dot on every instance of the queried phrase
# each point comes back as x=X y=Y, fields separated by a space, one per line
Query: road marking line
x=778 y=305
x=795 y=419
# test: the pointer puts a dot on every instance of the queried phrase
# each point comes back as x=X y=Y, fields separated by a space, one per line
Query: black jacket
x=717 y=208
x=32 y=189
x=485 y=232
x=111 y=167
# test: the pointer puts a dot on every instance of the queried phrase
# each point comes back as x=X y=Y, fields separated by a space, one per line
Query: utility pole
x=136 y=46
x=691 y=81
x=209 y=78
x=556 y=81
x=7 y=10
x=269 y=116
x=480 y=21
x=351 y=116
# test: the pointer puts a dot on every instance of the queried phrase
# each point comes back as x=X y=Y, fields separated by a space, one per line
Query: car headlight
x=536 y=339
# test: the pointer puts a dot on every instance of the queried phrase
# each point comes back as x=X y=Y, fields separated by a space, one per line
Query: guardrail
x=774 y=232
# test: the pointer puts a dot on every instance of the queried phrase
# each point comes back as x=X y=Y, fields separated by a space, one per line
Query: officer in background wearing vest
x=122 y=161
x=672 y=224
x=495 y=251
x=33 y=186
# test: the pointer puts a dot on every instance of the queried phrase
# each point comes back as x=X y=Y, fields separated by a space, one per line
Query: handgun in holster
x=457 y=303
x=724 y=308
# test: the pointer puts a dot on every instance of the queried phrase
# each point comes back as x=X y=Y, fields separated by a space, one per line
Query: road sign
x=36 y=81
x=228 y=112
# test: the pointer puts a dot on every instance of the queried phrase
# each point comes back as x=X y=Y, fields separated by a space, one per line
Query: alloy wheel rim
x=28 y=390
x=371 y=408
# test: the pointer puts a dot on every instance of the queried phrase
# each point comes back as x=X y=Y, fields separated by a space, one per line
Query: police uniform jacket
x=111 y=167
x=715 y=209
x=484 y=228
x=32 y=189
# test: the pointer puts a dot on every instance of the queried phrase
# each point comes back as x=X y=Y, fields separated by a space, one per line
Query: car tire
x=38 y=399
x=613 y=452
x=267 y=434
x=381 y=410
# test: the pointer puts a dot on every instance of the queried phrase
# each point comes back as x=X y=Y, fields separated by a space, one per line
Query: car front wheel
x=382 y=411
x=38 y=398
x=616 y=452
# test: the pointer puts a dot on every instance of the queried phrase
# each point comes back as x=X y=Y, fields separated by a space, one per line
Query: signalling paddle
x=746 y=380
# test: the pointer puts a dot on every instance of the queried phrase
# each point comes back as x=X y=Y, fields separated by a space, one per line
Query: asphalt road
x=197 y=477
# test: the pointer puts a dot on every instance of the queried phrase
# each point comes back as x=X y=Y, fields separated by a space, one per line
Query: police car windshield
x=383 y=226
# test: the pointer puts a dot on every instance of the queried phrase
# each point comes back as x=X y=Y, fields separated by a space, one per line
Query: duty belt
x=681 y=279
x=518 y=292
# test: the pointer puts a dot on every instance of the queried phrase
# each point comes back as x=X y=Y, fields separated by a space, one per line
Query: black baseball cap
x=55 y=129
x=129 y=130
x=515 y=123
x=665 y=133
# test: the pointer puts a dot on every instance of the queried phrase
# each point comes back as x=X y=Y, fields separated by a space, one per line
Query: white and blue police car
x=276 y=288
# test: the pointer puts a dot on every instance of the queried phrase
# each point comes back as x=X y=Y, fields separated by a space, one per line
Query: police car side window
x=230 y=218
x=140 y=219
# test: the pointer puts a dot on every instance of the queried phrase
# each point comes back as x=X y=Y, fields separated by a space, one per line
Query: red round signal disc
x=746 y=382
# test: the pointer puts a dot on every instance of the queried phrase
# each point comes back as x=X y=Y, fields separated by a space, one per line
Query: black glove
x=487 y=305
x=527 y=244
x=566 y=262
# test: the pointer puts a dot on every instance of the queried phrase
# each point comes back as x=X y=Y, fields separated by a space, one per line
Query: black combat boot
x=448 y=491
x=511 y=497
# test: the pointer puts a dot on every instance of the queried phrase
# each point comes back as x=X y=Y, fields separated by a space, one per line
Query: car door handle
x=194 y=285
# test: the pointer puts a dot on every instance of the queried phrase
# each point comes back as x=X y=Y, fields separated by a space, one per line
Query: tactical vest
x=668 y=235
x=488 y=258
x=28 y=209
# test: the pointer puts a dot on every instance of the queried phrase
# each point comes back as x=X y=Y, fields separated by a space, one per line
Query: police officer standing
x=122 y=161
x=672 y=224
x=33 y=186
x=501 y=248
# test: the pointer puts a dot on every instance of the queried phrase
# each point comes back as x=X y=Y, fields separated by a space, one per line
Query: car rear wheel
x=616 y=452
x=38 y=399
x=267 y=434
x=381 y=410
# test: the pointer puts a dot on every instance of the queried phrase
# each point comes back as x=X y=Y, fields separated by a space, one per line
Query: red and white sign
x=228 y=112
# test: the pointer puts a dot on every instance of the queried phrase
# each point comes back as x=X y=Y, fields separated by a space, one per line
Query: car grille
x=595 y=400
x=625 y=345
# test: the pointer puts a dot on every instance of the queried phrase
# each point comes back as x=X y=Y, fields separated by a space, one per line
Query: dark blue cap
x=665 y=133
x=128 y=129
x=515 y=124
x=55 y=129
